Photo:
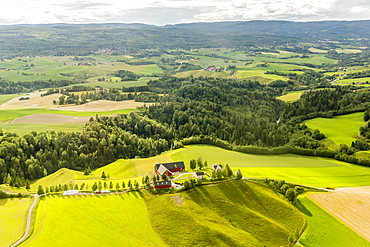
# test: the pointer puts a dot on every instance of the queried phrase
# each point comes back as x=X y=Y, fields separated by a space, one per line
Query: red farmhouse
x=169 y=168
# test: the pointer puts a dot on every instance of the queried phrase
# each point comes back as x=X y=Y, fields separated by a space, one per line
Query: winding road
x=28 y=224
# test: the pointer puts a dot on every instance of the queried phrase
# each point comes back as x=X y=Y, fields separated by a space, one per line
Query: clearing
x=340 y=129
x=349 y=205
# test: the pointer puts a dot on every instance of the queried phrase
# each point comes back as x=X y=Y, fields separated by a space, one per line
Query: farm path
x=349 y=205
x=28 y=224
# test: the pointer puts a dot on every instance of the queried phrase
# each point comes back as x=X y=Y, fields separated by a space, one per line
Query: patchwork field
x=234 y=213
x=24 y=128
x=13 y=214
x=340 y=129
x=349 y=205
x=324 y=230
x=113 y=220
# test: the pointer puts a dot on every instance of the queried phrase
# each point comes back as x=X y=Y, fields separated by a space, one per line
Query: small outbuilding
x=216 y=167
x=70 y=192
x=199 y=175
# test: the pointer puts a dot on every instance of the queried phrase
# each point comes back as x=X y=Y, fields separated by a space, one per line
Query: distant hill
x=327 y=30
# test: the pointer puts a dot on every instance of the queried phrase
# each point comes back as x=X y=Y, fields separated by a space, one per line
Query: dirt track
x=350 y=205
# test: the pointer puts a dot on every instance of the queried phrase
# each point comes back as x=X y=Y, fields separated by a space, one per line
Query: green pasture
x=217 y=155
x=13 y=215
x=340 y=129
x=312 y=171
x=258 y=75
x=324 y=230
x=118 y=169
x=8 y=115
x=24 y=128
x=104 y=220
x=234 y=213
x=315 y=59
x=6 y=97
x=364 y=80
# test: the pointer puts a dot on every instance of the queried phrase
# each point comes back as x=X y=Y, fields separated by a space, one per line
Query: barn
x=169 y=168
x=162 y=184
x=70 y=192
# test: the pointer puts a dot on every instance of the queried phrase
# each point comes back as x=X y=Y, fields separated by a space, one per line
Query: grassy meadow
x=235 y=213
x=312 y=171
x=291 y=96
x=25 y=128
x=13 y=214
x=324 y=230
x=340 y=129
x=9 y=115
x=110 y=220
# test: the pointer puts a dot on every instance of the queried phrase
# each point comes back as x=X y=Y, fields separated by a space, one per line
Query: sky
x=162 y=12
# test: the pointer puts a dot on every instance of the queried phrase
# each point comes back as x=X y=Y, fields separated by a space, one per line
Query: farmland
x=102 y=220
x=347 y=205
x=340 y=129
x=313 y=171
x=13 y=215
x=324 y=230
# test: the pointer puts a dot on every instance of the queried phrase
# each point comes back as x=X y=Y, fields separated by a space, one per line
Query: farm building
x=216 y=167
x=70 y=192
x=162 y=184
x=169 y=168
x=166 y=184
x=199 y=175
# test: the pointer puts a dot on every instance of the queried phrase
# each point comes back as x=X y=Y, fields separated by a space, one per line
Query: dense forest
x=233 y=114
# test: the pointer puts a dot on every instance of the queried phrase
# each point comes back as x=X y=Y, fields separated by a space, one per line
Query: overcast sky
x=161 y=12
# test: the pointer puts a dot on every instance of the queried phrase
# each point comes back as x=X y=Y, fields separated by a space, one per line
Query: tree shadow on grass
x=302 y=208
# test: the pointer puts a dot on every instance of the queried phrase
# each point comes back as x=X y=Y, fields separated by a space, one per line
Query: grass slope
x=324 y=230
x=118 y=169
x=111 y=220
x=341 y=129
x=13 y=213
x=234 y=213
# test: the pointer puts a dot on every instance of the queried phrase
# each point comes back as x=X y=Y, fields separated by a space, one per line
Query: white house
x=199 y=175
x=70 y=192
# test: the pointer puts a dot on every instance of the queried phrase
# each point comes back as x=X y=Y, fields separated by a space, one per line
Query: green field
x=312 y=171
x=8 y=115
x=291 y=96
x=111 y=220
x=324 y=230
x=6 y=97
x=198 y=73
x=119 y=84
x=24 y=128
x=117 y=170
x=340 y=129
x=13 y=214
x=234 y=213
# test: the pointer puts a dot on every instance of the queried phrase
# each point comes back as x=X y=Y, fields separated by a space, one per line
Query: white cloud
x=84 y=11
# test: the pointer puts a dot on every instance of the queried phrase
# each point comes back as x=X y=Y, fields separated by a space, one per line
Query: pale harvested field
x=35 y=101
x=51 y=119
x=349 y=205
x=103 y=105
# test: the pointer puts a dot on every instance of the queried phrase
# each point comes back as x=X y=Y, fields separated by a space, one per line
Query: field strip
x=103 y=105
x=29 y=219
x=51 y=119
x=349 y=205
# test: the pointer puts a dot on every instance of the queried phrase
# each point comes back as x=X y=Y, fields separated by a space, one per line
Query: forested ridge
x=234 y=114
